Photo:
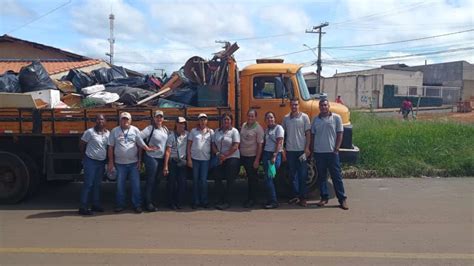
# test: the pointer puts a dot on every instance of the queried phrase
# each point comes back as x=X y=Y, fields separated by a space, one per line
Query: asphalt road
x=390 y=222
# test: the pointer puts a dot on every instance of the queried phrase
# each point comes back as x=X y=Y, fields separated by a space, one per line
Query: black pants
x=229 y=170
x=252 y=177
x=176 y=184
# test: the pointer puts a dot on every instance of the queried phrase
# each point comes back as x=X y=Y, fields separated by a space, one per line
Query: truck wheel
x=285 y=182
x=18 y=177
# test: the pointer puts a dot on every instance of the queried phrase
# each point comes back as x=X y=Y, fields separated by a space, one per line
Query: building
x=457 y=74
x=16 y=53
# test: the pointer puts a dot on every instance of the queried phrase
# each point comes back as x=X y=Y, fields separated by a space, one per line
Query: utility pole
x=110 y=54
x=318 y=29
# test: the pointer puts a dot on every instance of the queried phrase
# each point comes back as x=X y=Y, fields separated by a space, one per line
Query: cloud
x=285 y=18
x=13 y=8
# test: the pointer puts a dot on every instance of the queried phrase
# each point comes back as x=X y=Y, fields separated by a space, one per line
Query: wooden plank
x=149 y=98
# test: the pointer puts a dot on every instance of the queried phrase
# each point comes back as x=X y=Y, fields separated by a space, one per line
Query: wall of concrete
x=26 y=51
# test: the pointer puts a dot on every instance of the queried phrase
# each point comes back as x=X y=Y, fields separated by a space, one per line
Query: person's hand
x=165 y=171
x=222 y=158
x=256 y=164
x=110 y=167
x=190 y=163
x=153 y=148
x=273 y=160
x=307 y=152
x=336 y=150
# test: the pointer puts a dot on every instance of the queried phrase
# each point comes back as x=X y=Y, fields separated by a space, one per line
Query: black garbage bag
x=79 y=79
x=136 y=82
x=116 y=72
x=101 y=75
x=9 y=82
x=185 y=95
x=129 y=95
x=34 y=77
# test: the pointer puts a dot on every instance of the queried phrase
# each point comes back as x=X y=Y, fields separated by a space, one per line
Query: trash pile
x=199 y=82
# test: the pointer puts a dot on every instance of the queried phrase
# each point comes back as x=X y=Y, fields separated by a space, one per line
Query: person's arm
x=278 y=146
x=188 y=153
x=307 y=149
x=111 y=158
x=313 y=133
x=258 y=156
x=233 y=148
x=338 y=141
x=82 y=148
x=166 y=161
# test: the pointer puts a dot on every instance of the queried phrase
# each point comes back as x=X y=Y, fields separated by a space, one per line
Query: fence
x=450 y=95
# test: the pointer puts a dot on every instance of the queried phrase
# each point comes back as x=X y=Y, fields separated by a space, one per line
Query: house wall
x=25 y=51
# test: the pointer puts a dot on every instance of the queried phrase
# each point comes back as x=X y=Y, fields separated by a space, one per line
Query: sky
x=162 y=34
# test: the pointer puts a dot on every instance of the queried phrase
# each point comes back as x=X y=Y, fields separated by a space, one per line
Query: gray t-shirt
x=201 y=147
x=96 y=144
x=324 y=130
x=177 y=145
x=271 y=136
x=295 y=129
x=225 y=139
x=158 y=139
x=125 y=143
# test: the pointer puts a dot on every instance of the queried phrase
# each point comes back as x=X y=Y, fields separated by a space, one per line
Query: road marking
x=224 y=252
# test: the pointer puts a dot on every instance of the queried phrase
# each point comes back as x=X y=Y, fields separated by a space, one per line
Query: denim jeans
x=252 y=177
x=329 y=161
x=153 y=168
x=176 y=184
x=130 y=170
x=93 y=174
x=200 y=173
x=267 y=155
x=298 y=172
x=230 y=169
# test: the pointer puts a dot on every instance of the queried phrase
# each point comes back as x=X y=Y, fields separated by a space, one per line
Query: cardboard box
x=51 y=97
x=16 y=100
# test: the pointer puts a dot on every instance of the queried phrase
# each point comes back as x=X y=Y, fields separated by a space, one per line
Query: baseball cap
x=202 y=115
x=180 y=119
x=159 y=112
x=126 y=115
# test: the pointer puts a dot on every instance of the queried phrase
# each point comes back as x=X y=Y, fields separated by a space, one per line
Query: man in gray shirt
x=125 y=155
x=298 y=137
x=326 y=131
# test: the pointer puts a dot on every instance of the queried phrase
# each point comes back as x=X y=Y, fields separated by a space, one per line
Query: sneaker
x=322 y=202
x=118 y=209
x=151 y=208
x=83 y=211
x=138 y=210
x=97 y=209
x=272 y=205
x=223 y=206
x=303 y=203
x=344 y=205
x=294 y=200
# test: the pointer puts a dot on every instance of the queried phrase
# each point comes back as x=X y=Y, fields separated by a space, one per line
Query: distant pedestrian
x=198 y=157
x=251 y=146
x=339 y=99
x=297 y=128
x=93 y=147
x=327 y=130
x=406 y=108
x=272 y=153
x=154 y=135
x=225 y=145
x=175 y=168
x=125 y=155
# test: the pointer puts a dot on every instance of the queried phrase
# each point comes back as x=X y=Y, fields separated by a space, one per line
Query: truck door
x=271 y=93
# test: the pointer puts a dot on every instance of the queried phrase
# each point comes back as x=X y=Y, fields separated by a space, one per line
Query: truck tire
x=285 y=182
x=18 y=177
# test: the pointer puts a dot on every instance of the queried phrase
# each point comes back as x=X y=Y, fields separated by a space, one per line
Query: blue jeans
x=176 y=184
x=329 y=161
x=93 y=174
x=200 y=173
x=130 y=170
x=153 y=168
x=298 y=172
x=267 y=155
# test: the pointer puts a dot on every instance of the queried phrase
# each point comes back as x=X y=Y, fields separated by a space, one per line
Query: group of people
x=221 y=152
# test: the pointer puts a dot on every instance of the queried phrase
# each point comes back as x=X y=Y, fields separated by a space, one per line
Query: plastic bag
x=103 y=97
x=79 y=79
x=271 y=169
x=9 y=83
x=34 y=77
x=129 y=95
x=92 y=89
x=101 y=75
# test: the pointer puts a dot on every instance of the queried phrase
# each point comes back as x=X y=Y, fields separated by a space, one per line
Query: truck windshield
x=302 y=85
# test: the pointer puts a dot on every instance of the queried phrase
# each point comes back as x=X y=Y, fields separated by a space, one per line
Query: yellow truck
x=42 y=144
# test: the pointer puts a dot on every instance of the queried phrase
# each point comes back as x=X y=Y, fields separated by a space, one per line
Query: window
x=432 y=92
x=267 y=87
x=412 y=91
x=305 y=95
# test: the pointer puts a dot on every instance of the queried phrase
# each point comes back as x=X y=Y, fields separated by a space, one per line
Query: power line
x=42 y=16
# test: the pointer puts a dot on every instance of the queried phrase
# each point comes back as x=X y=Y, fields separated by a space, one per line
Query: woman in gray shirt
x=225 y=146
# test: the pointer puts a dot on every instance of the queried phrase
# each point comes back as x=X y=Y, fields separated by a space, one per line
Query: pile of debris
x=198 y=83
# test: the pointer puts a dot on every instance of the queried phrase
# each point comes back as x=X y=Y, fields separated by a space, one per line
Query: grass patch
x=397 y=148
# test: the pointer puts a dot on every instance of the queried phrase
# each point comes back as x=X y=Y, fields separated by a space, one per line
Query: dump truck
x=39 y=145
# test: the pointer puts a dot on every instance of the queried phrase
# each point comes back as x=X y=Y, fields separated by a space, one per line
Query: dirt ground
x=451 y=116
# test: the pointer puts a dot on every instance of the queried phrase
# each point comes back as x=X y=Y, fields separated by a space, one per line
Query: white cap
x=126 y=115
x=181 y=119
x=159 y=112
x=201 y=115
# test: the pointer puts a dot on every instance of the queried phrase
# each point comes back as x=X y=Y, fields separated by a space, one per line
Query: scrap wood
x=149 y=98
